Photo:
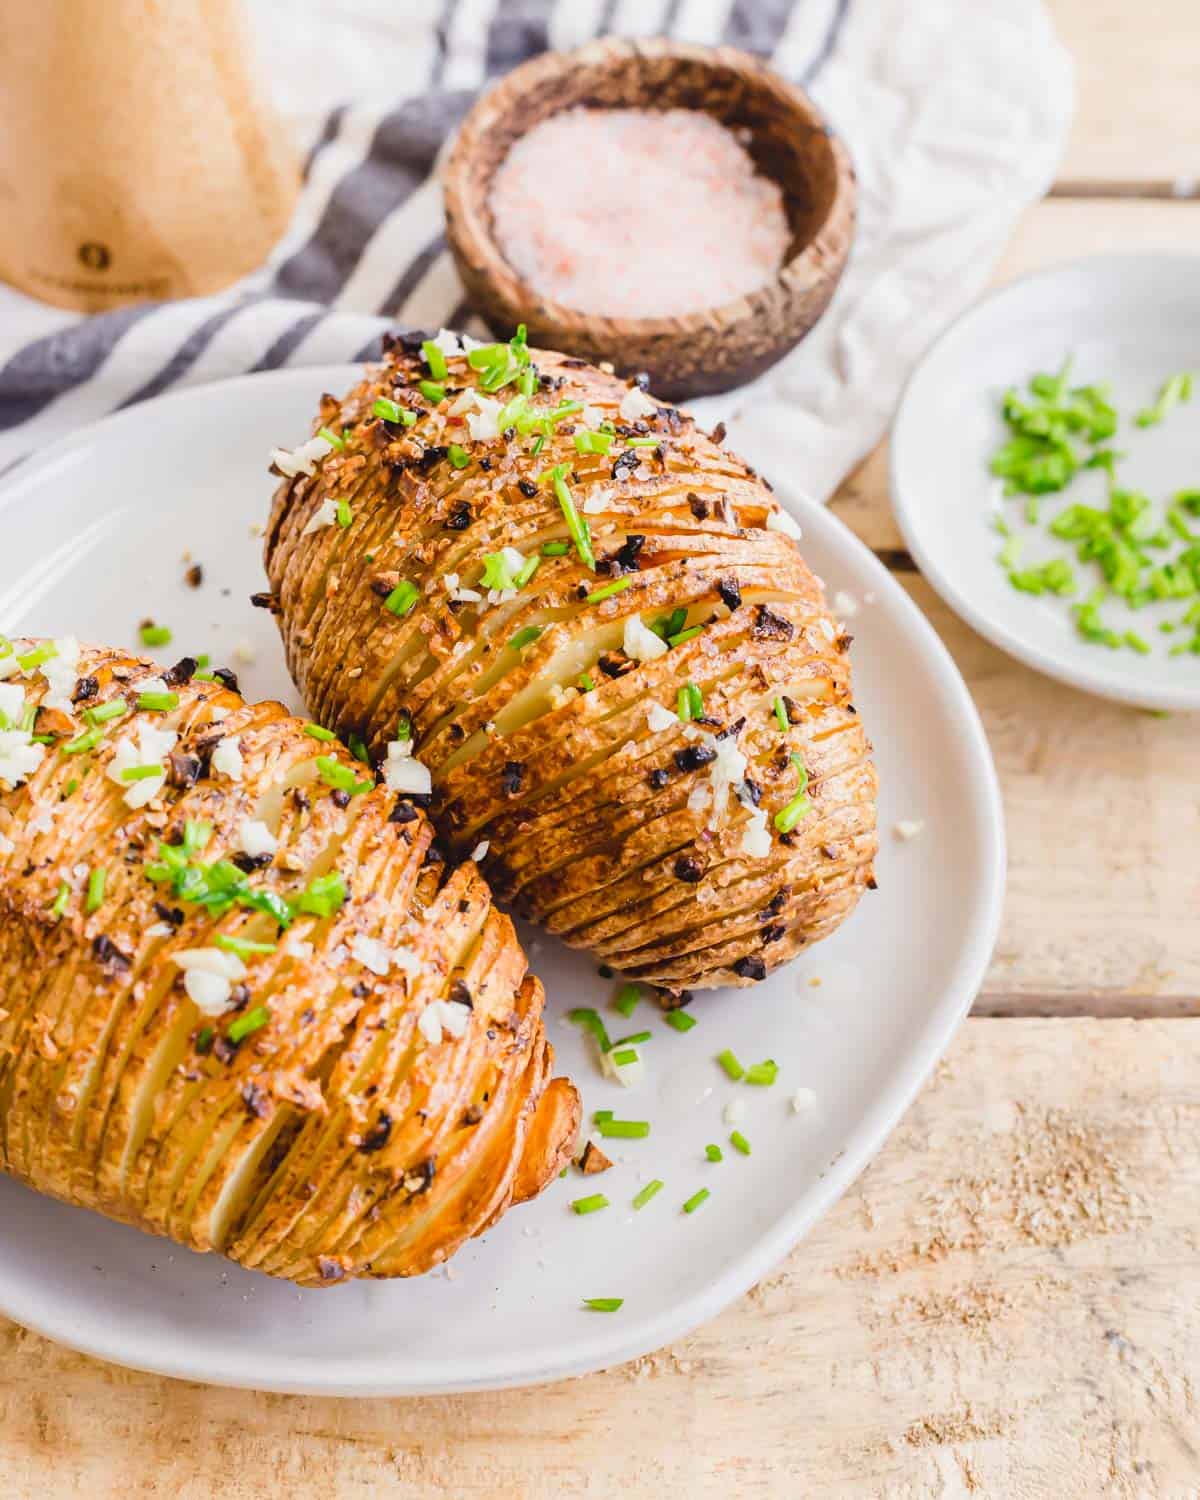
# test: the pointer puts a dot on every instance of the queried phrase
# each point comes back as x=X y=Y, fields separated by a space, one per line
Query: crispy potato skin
x=597 y=826
x=335 y=1141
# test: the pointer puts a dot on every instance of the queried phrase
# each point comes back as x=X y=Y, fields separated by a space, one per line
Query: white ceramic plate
x=97 y=532
x=1131 y=320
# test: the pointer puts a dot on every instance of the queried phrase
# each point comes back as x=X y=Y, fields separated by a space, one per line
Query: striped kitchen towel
x=954 y=110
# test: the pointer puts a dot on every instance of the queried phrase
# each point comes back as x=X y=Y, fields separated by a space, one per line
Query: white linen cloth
x=955 y=112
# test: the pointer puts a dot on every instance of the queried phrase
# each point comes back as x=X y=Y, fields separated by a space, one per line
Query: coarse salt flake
x=909 y=828
x=19 y=756
x=640 y=642
x=402 y=773
x=256 y=838
x=227 y=759
x=443 y=1016
x=660 y=718
x=480 y=850
x=324 y=515
x=301 y=460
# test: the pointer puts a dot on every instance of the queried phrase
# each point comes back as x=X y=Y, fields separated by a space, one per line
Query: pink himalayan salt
x=637 y=213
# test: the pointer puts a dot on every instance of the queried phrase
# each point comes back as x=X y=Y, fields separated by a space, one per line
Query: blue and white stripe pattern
x=955 y=111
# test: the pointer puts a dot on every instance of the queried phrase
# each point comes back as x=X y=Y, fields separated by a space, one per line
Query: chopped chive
x=538 y=445
x=604 y=1304
x=155 y=635
x=608 y=590
x=243 y=947
x=655 y=1185
x=403 y=597
x=88 y=740
x=781 y=717
x=42 y=739
x=714 y=1153
x=59 y=905
x=694 y=1202
x=392 y=411
x=344 y=514
x=695 y=700
x=635 y=1040
x=525 y=637
x=591 y=1204
x=626 y=1056
x=683 y=705
x=70 y=787
x=555 y=549
x=601 y=1115
x=669 y=624
x=575 y=524
x=1178 y=388
x=684 y=635
x=141 y=773
x=731 y=1065
x=159 y=703
x=332 y=438
x=458 y=456
x=528 y=569
x=739 y=1142
x=317 y=732
x=340 y=777
x=642 y=442
x=625 y=1130
x=103 y=712
x=763 y=1074
x=36 y=657
x=586 y=683
x=627 y=998
x=1137 y=642
x=404 y=728
x=324 y=895
x=788 y=816
x=435 y=359
x=592 y=442
x=254 y=1020
x=591 y=1022
x=358 y=749
x=679 y=1020
x=95 y=890
x=432 y=390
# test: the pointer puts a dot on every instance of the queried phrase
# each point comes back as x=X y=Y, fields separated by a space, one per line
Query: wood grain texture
x=1001 y=1307
x=1136 y=118
x=1099 y=899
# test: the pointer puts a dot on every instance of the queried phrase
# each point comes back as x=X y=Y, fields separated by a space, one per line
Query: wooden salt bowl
x=786 y=135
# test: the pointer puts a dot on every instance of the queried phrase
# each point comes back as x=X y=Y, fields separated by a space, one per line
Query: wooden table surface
x=1007 y=1304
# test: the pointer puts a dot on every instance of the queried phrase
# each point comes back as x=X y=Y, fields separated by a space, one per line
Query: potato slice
x=627 y=729
x=286 y=1028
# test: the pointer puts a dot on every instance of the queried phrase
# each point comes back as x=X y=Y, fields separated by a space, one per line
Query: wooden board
x=1005 y=1306
x=1137 y=127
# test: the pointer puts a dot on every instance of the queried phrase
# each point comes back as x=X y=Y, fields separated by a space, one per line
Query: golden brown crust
x=340 y=1137
x=598 y=824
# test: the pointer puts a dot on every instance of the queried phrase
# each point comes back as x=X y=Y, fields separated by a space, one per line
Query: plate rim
x=1039 y=659
x=311 y=1375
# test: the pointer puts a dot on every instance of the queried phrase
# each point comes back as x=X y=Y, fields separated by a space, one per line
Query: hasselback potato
x=247 y=1002
x=620 y=676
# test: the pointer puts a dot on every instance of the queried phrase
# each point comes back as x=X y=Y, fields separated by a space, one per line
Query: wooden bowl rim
x=467 y=218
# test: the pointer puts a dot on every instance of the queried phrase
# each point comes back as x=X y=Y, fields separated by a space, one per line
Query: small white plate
x=1130 y=320
x=96 y=533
